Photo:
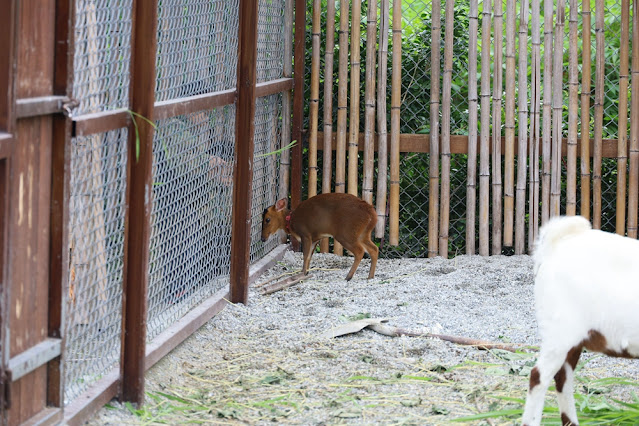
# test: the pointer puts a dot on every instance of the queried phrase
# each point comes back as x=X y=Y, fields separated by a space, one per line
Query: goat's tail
x=554 y=231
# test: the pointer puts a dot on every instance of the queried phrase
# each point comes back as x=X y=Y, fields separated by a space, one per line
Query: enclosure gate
x=103 y=104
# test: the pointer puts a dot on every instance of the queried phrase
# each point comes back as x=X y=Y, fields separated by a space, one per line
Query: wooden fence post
x=139 y=200
x=244 y=145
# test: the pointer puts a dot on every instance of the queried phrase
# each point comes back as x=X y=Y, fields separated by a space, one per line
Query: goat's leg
x=548 y=364
x=564 y=381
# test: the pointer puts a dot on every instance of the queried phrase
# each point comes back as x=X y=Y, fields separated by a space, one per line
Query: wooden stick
x=391 y=331
x=520 y=200
x=633 y=175
x=396 y=92
x=509 y=130
x=557 y=105
x=342 y=105
x=369 y=101
x=573 y=112
x=484 y=138
x=285 y=158
x=622 y=162
x=599 y=99
x=314 y=101
x=547 y=113
x=585 y=110
x=533 y=190
x=281 y=285
x=382 y=150
x=356 y=12
x=446 y=105
x=496 y=133
x=327 y=161
x=471 y=185
x=433 y=171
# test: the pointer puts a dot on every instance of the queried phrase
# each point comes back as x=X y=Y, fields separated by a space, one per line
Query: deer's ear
x=280 y=205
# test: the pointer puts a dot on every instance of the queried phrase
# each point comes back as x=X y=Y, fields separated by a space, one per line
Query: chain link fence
x=416 y=101
x=193 y=161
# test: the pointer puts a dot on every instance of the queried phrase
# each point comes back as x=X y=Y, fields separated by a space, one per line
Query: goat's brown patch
x=534 y=378
x=573 y=356
x=560 y=379
x=597 y=342
x=565 y=420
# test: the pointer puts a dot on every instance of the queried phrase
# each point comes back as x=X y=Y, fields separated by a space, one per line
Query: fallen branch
x=281 y=285
x=388 y=330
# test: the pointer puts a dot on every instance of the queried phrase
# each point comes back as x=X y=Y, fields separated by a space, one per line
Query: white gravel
x=264 y=362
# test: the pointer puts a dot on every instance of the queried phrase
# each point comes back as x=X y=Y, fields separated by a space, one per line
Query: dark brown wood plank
x=100 y=122
x=8 y=20
x=244 y=147
x=191 y=104
x=42 y=105
x=272 y=87
x=459 y=144
x=139 y=193
x=298 y=108
x=83 y=407
x=59 y=206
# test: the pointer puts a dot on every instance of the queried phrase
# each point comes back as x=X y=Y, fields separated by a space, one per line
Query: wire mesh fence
x=102 y=55
x=417 y=26
x=268 y=131
x=270 y=40
x=191 y=214
x=197 y=47
x=94 y=302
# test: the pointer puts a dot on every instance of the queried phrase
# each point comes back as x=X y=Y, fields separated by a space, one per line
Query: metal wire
x=268 y=131
x=270 y=40
x=102 y=55
x=191 y=215
x=197 y=47
x=94 y=302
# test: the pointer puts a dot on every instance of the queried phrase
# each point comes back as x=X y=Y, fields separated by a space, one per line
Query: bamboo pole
x=484 y=137
x=285 y=158
x=313 y=110
x=444 y=215
x=520 y=200
x=471 y=185
x=557 y=105
x=356 y=12
x=396 y=92
x=382 y=149
x=433 y=172
x=496 y=132
x=573 y=112
x=369 y=101
x=327 y=160
x=599 y=97
x=547 y=112
x=509 y=127
x=622 y=161
x=342 y=105
x=533 y=146
x=585 y=110
x=633 y=175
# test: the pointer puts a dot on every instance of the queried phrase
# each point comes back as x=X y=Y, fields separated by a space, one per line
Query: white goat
x=586 y=296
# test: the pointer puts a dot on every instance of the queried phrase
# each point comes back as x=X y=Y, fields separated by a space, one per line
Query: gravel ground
x=266 y=364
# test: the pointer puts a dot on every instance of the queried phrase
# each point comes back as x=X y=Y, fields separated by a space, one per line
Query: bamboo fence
x=382 y=128
x=433 y=172
x=471 y=185
x=445 y=140
x=496 y=126
x=510 y=208
x=396 y=91
x=484 y=138
x=369 y=102
x=327 y=161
